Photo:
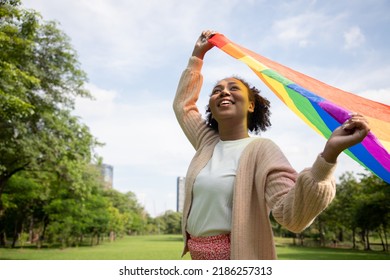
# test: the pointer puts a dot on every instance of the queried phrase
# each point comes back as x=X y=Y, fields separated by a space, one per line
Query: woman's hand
x=352 y=132
x=202 y=45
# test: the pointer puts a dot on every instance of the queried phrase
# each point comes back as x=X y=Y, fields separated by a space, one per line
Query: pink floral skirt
x=215 y=247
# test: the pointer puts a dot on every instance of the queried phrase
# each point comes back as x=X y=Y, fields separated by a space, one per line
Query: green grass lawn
x=169 y=247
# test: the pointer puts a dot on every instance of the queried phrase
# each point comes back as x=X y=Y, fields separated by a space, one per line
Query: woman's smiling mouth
x=225 y=102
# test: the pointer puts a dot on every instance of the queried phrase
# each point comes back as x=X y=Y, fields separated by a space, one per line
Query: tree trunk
x=341 y=235
x=2 y=228
x=382 y=240
x=18 y=229
x=31 y=235
x=112 y=236
x=3 y=182
x=16 y=233
x=385 y=235
x=43 y=234
x=363 y=237
x=322 y=234
x=367 y=240
x=2 y=239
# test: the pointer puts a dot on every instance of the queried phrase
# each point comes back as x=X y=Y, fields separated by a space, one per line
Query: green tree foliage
x=48 y=187
x=372 y=210
x=130 y=211
x=169 y=222
x=23 y=199
x=55 y=210
x=39 y=80
x=360 y=212
x=340 y=215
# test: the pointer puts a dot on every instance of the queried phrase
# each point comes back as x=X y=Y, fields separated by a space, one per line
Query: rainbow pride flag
x=322 y=106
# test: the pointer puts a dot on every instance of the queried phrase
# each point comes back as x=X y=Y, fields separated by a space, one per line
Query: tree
x=360 y=209
x=373 y=210
x=339 y=216
x=40 y=77
x=169 y=222
x=132 y=213
x=23 y=201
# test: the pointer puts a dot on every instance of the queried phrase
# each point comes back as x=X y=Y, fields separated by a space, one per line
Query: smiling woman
x=256 y=115
x=235 y=181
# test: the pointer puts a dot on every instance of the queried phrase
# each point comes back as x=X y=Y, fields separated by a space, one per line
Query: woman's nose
x=224 y=92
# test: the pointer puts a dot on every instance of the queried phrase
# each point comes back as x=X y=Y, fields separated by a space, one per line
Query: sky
x=135 y=51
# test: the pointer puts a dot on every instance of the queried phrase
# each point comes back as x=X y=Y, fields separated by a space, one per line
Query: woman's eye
x=234 y=88
x=216 y=91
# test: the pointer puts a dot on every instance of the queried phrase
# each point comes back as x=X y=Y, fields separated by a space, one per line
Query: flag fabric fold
x=322 y=106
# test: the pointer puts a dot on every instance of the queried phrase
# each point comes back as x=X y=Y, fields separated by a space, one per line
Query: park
x=54 y=204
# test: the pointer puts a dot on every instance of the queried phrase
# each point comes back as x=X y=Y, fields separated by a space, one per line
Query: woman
x=235 y=181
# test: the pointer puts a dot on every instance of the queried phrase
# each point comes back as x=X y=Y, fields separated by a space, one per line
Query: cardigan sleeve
x=184 y=105
x=295 y=200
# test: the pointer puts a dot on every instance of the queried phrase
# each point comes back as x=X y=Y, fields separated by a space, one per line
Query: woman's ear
x=251 y=107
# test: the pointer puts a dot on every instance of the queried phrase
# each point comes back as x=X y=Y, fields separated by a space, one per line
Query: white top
x=211 y=209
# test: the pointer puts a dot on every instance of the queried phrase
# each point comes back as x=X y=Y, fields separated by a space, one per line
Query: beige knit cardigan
x=265 y=182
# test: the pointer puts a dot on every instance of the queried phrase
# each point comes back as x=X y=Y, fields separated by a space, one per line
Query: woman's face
x=229 y=100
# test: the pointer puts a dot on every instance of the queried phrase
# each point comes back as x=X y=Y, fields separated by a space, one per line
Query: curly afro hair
x=258 y=120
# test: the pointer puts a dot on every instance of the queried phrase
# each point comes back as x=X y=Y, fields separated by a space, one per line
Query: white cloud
x=101 y=105
x=293 y=29
x=306 y=29
x=129 y=36
x=353 y=38
x=368 y=80
x=380 y=95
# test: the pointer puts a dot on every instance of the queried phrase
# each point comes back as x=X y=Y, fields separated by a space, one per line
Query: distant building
x=180 y=194
x=108 y=175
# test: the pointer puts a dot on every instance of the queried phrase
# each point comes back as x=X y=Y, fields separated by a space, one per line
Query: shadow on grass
x=320 y=253
x=52 y=246
x=167 y=238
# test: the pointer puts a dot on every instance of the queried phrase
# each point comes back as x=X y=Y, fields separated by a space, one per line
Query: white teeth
x=225 y=102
